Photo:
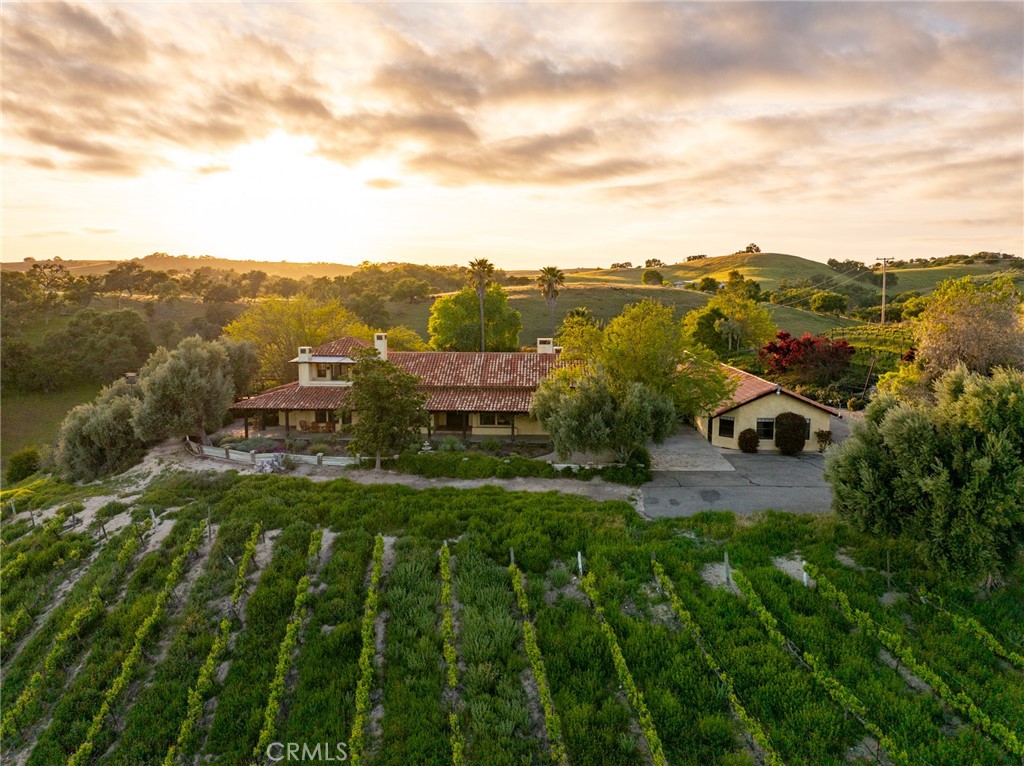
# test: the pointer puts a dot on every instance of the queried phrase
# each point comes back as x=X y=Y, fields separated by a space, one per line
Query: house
x=755 y=404
x=468 y=393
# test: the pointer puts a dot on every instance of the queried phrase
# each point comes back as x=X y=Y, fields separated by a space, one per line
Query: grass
x=766 y=268
x=796 y=321
x=34 y=419
x=925 y=279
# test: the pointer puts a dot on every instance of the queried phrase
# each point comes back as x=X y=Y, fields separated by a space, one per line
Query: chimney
x=545 y=346
x=305 y=353
x=380 y=342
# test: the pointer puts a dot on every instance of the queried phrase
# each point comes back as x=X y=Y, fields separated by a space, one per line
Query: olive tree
x=187 y=391
x=98 y=438
x=948 y=476
x=583 y=412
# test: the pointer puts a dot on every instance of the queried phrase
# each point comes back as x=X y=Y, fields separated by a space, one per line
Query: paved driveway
x=687 y=450
x=755 y=483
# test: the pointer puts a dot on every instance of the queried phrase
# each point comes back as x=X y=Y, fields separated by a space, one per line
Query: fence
x=252 y=457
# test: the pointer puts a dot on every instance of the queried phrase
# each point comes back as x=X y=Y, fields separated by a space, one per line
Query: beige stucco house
x=468 y=393
x=755 y=404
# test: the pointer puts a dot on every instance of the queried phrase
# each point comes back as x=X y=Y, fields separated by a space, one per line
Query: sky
x=567 y=134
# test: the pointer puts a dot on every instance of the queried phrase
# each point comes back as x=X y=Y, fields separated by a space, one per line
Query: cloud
x=648 y=104
x=383 y=183
x=208 y=170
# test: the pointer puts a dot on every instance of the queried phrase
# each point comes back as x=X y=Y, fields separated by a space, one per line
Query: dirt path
x=375 y=729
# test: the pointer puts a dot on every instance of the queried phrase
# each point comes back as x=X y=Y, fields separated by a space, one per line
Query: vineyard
x=253 y=620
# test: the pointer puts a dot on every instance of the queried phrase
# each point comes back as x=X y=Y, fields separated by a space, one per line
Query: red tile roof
x=340 y=347
x=459 y=381
x=292 y=396
x=752 y=387
x=478 y=400
x=473 y=369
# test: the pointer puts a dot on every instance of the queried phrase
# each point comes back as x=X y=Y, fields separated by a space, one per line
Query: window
x=323 y=370
x=495 y=419
x=324 y=416
x=726 y=427
x=346 y=417
x=807 y=430
x=766 y=428
x=339 y=372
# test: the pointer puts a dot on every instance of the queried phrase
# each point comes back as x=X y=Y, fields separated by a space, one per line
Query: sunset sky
x=566 y=134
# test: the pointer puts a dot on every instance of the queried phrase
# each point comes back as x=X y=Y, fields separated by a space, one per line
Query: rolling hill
x=766 y=268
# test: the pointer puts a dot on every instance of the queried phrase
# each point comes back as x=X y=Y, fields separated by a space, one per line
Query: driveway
x=687 y=450
x=755 y=483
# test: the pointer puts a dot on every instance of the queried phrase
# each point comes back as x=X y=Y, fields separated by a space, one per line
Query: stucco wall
x=770 y=406
x=525 y=425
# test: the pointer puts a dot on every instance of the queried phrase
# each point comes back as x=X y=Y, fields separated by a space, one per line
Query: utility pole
x=884 y=261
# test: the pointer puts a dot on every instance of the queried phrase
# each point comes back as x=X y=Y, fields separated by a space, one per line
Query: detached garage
x=756 y=404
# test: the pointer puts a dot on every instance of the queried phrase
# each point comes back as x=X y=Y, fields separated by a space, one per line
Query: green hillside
x=606 y=301
x=797 y=321
x=766 y=268
x=925 y=279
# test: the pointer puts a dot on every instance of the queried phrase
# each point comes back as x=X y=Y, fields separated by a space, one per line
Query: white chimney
x=380 y=342
x=545 y=346
x=305 y=353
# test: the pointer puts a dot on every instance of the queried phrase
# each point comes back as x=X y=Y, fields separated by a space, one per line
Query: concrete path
x=756 y=483
x=687 y=450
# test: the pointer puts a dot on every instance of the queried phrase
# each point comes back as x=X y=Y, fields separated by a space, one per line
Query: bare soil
x=569 y=590
x=538 y=726
x=794 y=567
x=379 y=637
x=890 y=597
x=914 y=682
x=714 y=575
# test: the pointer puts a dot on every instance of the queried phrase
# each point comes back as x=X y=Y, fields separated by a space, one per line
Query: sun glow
x=276 y=200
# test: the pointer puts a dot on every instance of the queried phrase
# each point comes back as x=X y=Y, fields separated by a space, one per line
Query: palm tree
x=481 y=272
x=550 y=280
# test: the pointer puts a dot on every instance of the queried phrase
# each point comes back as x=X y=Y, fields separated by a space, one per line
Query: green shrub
x=260 y=444
x=749 y=441
x=451 y=444
x=491 y=444
x=855 y=403
x=824 y=438
x=789 y=433
x=21 y=465
x=318 y=446
x=633 y=475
